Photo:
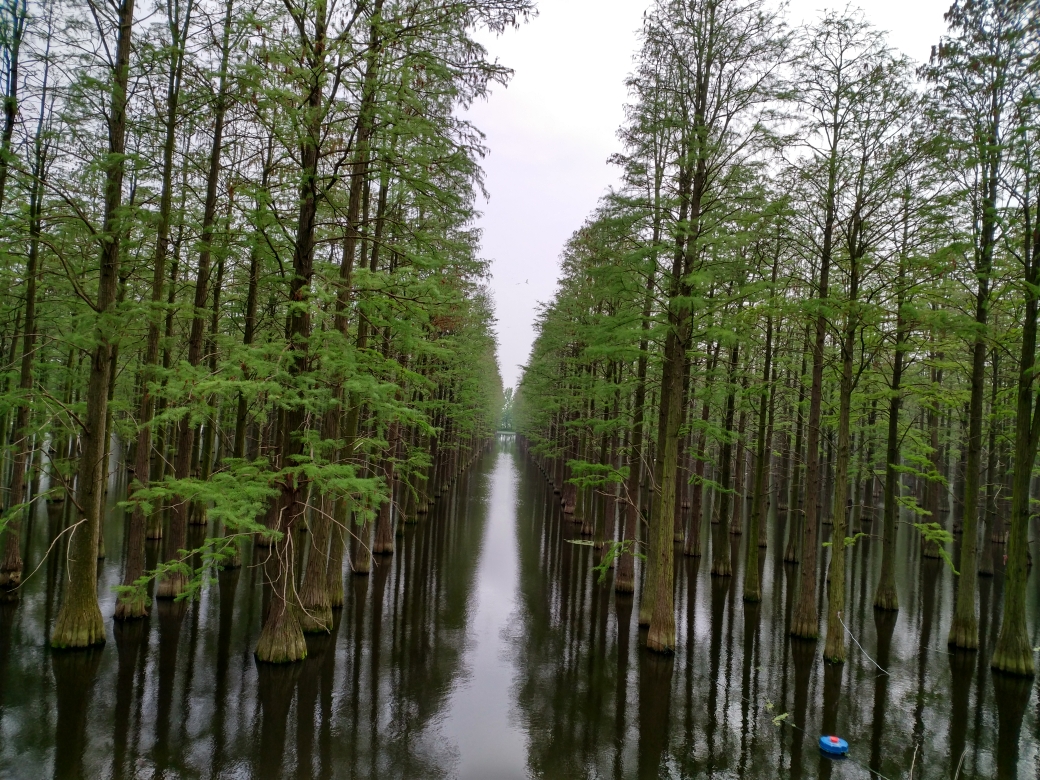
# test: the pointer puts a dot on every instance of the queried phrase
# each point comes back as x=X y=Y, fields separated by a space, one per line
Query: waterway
x=486 y=647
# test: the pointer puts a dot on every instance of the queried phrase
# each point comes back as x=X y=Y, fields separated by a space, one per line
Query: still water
x=486 y=648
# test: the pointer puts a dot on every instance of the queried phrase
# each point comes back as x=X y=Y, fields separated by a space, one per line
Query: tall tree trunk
x=14 y=30
x=1014 y=653
x=624 y=577
x=886 y=597
x=795 y=512
x=79 y=622
x=281 y=639
x=136 y=605
x=834 y=646
x=964 y=630
x=805 y=620
x=12 y=564
x=721 y=563
x=173 y=583
x=752 y=588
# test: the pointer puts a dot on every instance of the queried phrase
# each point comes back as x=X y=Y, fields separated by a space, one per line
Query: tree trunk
x=1014 y=653
x=79 y=622
x=173 y=583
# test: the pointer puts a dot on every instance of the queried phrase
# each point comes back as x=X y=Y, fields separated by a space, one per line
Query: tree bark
x=79 y=622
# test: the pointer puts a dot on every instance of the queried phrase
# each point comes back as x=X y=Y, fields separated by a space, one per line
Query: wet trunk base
x=660 y=639
x=964 y=632
x=316 y=616
x=887 y=599
x=1014 y=652
x=133 y=607
x=334 y=575
x=805 y=622
x=171 y=585
x=281 y=640
x=79 y=624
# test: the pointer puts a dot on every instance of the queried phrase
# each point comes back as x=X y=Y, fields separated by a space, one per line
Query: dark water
x=485 y=648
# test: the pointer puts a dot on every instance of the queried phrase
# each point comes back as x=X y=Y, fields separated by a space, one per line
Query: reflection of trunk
x=173 y=583
x=79 y=622
x=1013 y=652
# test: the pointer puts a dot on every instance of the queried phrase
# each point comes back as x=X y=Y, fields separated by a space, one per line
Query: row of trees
x=819 y=275
x=238 y=241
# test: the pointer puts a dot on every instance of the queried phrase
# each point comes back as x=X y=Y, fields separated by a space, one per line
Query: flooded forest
x=762 y=502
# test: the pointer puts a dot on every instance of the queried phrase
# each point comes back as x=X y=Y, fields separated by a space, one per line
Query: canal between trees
x=486 y=647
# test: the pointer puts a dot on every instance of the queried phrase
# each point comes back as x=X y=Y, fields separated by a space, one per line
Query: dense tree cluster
x=817 y=282
x=237 y=245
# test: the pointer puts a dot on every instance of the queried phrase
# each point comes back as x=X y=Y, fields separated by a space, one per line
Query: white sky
x=552 y=129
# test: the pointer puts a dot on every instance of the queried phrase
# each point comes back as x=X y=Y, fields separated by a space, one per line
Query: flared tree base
x=362 y=564
x=336 y=595
x=132 y=608
x=79 y=625
x=281 y=640
x=1014 y=655
x=171 y=586
x=722 y=569
x=834 y=650
x=964 y=633
x=661 y=640
x=805 y=624
x=886 y=600
x=316 y=618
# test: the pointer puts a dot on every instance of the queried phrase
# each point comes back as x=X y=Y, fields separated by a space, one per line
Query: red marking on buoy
x=834 y=740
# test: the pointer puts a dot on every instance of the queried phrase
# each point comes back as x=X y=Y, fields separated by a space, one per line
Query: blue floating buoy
x=834 y=746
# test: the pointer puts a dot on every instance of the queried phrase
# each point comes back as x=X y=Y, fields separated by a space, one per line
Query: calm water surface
x=485 y=648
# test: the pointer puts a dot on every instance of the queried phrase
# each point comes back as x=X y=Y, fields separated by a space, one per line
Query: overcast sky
x=552 y=129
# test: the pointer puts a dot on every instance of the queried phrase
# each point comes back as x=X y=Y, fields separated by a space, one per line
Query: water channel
x=487 y=648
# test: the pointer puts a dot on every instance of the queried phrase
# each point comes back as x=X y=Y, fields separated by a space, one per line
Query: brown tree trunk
x=173 y=583
x=79 y=622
